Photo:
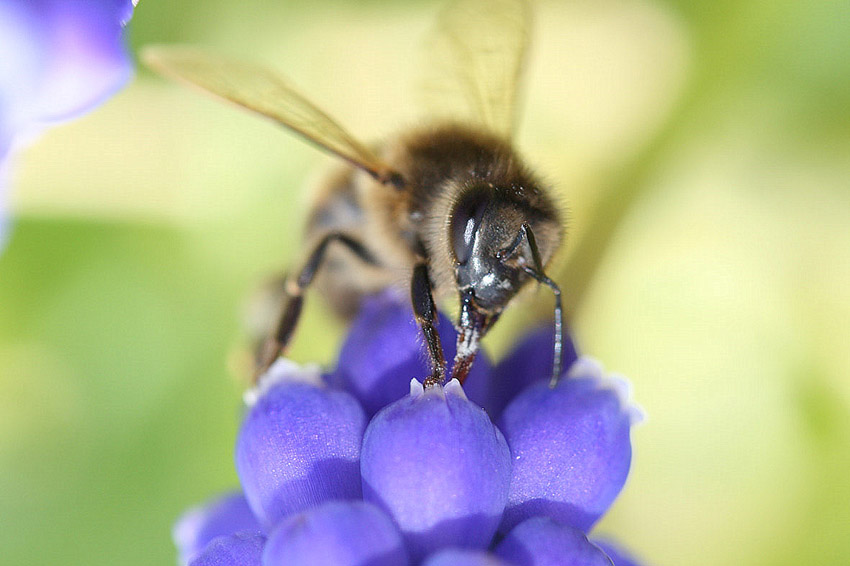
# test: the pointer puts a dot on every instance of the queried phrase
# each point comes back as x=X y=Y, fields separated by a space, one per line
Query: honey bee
x=449 y=204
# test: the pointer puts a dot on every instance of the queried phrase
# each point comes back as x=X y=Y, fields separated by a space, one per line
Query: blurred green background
x=703 y=149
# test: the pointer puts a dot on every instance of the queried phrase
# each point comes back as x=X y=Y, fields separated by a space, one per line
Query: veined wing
x=262 y=90
x=477 y=52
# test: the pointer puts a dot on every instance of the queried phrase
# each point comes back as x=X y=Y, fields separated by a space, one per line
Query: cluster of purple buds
x=366 y=467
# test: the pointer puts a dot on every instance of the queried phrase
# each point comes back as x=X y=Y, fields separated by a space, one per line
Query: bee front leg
x=425 y=310
x=294 y=301
x=472 y=325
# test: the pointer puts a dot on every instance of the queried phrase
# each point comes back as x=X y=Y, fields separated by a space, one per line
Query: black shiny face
x=482 y=226
x=465 y=222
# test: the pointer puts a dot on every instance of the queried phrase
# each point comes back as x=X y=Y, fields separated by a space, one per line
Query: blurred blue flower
x=464 y=557
x=338 y=533
x=429 y=477
x=58 y=59
x=540 y=541
x=199 y=525
x=243 y=548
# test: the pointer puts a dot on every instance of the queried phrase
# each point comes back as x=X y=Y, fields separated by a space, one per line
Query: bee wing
x=262 y=90
x=477 y=52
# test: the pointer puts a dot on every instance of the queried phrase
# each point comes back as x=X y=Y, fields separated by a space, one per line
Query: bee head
x=484 y=227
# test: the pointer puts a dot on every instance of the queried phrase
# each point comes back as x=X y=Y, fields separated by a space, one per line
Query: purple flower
x=337 y=533
x=432 y=478
x=58 y=59
x=239 y=549
x=299 y=445
x=464 y=557
x=440 y=468
x=384 y=350
x=199 y=525
x=543 y=542
x=570 y=446
x=529 y=362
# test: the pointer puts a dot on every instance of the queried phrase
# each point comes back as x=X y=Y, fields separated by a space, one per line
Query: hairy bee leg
x=425 y=310
x=276 y=344
x=470 y=325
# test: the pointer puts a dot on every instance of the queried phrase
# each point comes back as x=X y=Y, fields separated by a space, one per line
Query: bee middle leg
x=294 y=301
x=425 y=310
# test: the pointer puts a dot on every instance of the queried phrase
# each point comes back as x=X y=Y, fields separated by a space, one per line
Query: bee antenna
x=559 y=322
x=537 y=273
x=525 y=233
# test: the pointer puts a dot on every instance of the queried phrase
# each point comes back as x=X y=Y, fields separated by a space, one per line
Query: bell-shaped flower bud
x=336 y=533
x=384 y=350
x=239 y=549
x=531 y=361
x=299 y=444
x=437 y=464
x=464 y=557
x=199 y=525
x=570 y=447
x=543 y=542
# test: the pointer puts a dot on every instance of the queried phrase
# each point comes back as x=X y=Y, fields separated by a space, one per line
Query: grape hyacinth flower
x=299 y=446
x=382 y=352
x=243 y=548
x=58 y=60
x=223 y=516
x=541 y=541
x=440 y=468
x=574 y=472
x=429 y=478
x=461 y=557
x=529 y=362
x=323 y=535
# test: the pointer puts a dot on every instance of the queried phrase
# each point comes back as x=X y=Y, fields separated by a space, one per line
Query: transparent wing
x=263 y=91
x=475 y=57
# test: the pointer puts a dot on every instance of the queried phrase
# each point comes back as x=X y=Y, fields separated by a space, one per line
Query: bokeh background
x=704 y=151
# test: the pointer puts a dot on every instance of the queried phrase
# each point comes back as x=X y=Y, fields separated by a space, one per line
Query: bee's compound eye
x=465 y=221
